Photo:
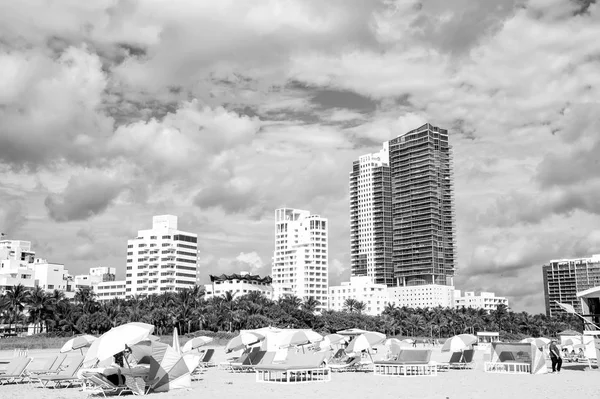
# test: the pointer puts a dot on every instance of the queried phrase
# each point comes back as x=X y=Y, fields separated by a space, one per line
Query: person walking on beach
x=555 y=357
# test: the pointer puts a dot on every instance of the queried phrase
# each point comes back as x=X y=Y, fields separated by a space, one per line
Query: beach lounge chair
x=206 y=361
x=226 y=365
x=95 y=382
x=459 y=360
x=410 y=362
x=16 y=371
x=48 y=368
x=68 y=375
x=297 y=368
x=351 y=364
x=252 y=360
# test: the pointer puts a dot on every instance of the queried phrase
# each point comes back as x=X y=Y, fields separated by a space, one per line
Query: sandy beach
x=573 y=382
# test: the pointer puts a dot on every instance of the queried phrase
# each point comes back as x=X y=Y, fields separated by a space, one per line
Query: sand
x=573 y=382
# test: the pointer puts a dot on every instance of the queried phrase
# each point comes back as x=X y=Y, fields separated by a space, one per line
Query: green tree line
x=190 y=311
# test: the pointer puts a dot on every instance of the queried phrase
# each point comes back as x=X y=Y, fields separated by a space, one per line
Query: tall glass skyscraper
x=402 y=211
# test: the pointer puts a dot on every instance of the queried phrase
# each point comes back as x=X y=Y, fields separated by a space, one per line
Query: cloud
x=51 y=109
x=84 y=197
x=12 y=216
x=252 y=259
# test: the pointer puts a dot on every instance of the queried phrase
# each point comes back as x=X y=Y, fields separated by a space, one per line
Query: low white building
x=422 y=296
x=239 y=285
x=485 y=300
x=107 y=290
x=362 y=289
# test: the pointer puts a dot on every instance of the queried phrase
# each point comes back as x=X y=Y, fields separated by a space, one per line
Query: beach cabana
x=409 y=362
x=516 y=358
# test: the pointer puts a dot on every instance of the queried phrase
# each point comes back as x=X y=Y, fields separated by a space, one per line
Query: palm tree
x=310 y=304
x=16 y=297
x=360 y=307
x=39 y=306
x=350 y=305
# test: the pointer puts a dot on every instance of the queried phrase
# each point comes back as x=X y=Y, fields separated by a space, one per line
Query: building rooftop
x=247 y=277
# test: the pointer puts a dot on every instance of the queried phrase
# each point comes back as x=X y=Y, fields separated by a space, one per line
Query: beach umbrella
x=539 y=342
x=168 y=369
x=80 y=342
x=365 y=341
x=300 y=337
x=572 y=341
x=176 y=345
x=195 y=343
x=246 y=338
x=408 y=341
x=334 y=339
x=459 y=342
x=352 y=331
x=116 y=340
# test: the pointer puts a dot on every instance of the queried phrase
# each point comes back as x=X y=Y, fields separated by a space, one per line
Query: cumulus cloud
x=85 y=196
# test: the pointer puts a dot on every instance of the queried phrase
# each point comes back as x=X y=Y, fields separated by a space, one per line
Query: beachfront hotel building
x=161 y=259
x=300 y=259
x=564 y=278
x=423 y=220
x=484 y=300
x=371 y=218
x=422 y=296
x=238 y=285
x=362 y=289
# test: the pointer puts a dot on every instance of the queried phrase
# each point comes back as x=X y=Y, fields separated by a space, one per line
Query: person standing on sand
x=555 y=357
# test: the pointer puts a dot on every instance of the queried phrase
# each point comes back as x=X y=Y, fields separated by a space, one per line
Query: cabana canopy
x=518 y=352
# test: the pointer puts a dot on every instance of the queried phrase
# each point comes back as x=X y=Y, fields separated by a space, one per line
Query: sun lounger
x=94 y=383
x=67 y=376
x=351 y=364
x=54 y=368
x=410 y=362
x=226 y=365
x=253 y=359
x=16 y=371
x=459 y=360
x=206 y=361
x=297 y=368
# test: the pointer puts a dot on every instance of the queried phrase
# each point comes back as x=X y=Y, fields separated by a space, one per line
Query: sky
x=220 y=112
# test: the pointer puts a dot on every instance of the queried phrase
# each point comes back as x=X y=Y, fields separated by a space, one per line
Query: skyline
x=220 y=113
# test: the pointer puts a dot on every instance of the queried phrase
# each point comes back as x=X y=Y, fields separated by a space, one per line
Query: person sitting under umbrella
x=118 y=378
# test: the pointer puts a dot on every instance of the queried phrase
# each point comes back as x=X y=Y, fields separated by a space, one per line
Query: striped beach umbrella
x=245 y=339
x=459 y=343
x=80 y=342
x=300 y=337
x=195 y=343
x=365 y=341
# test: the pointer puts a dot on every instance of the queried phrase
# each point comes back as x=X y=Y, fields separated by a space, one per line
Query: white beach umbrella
x=195 y=343
x=352 y=331
x=539 y=342
x=459 y=342
x=80 y=342
x=408 y=341
x=300 y=337
x=246 y=338
x=365 y=341
x=116 y=340
x=334 y=339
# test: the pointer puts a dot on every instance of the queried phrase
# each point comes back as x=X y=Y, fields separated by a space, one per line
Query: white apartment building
x=485 y=300
x=300 y=259
x=18 y=265
x=161 y=259
x=107 y=290
x=362 y=289
x=422 y=296
x=239 y=285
